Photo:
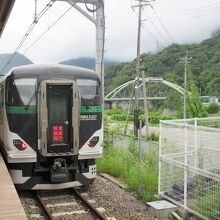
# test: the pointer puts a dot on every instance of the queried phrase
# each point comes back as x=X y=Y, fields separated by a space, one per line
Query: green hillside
x=204 y=68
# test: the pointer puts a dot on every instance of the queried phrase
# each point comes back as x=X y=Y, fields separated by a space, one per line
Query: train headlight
x=20 y=145
x=93 y=141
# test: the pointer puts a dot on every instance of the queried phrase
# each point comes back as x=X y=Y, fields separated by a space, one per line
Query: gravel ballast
x=118 y=203
x=113 y=201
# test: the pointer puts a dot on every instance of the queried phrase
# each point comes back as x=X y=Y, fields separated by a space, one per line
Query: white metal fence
x=189 y=165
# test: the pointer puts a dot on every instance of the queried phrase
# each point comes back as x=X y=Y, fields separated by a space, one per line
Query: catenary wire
x=29 y=30
x=42 y=34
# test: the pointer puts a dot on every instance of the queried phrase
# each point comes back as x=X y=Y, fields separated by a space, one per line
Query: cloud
x=74 y=36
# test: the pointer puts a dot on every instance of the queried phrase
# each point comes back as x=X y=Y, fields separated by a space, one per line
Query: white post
x=139 y=159
x=185 y=163
x=100 y=39
x=99 y=22
x=195 y=143
x=160 y=152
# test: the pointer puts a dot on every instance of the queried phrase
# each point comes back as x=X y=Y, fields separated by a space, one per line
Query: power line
x=41 y=35
x=152 y=35
x=157 y=30
x=191 y=11
x=26 y=35
x=171 y=38
x=150 y=32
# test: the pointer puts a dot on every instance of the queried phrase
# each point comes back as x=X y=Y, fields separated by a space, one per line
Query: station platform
x=10 y=204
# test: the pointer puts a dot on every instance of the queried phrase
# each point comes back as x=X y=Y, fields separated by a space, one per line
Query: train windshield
x=21 y=92
x=89 y=92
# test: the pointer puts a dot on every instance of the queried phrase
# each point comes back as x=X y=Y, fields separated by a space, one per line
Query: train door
x=58 y=118
x=59 y=105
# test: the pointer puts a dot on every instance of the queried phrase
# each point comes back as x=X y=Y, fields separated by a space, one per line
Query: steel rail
x=90 y=206
x=47 y=212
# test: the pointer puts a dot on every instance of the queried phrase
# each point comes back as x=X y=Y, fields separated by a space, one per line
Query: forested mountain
x=203 y=69
x=86 y=62
x=17 y=60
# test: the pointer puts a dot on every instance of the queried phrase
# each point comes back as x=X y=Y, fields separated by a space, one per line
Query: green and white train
x=51 y=128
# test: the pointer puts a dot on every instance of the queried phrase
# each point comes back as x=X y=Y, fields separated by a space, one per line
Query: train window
x=89 y=92
x=21 y=92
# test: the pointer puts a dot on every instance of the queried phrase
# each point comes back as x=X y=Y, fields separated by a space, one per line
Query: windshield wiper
x=31 y=100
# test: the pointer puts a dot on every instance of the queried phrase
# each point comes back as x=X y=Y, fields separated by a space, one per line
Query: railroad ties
x=10 y=204
x=62 y=204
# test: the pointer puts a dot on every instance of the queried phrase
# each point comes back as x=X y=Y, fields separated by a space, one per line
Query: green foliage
x=107 y=133
x=208 y=204
x=174 y=101
x=154 y=137
x=124 y=164
x=114 y=111
x=194 y=105
x=213 y=108
x=154 y=117
x=122 y=117
x=203 y=69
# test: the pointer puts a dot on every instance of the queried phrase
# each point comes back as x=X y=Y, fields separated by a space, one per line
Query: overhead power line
x=191 y=11
x=27 y=33
x=42 y=34
x=157 y=30
x=150 y=33
x=170 y=36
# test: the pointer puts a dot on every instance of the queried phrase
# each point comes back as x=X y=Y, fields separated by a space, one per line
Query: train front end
x=52 y=130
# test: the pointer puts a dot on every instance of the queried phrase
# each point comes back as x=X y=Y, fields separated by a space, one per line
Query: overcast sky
x=169 y=21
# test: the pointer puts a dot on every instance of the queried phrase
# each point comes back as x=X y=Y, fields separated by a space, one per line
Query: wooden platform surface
x=10 y=204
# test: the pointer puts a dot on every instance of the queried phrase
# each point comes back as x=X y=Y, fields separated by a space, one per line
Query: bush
x=122 y=117
x=114 y=111
x=213 y=108
x=154 y=137
x=123 y=163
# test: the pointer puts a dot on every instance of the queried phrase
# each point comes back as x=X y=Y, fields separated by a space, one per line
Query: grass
x=124 y=164
x=208 y=205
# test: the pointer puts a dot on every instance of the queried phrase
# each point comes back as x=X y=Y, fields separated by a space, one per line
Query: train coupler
x=59 y=172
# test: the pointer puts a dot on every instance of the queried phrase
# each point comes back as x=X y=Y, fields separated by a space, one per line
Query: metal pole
x=139 y=159
x=185 y=135
x=129 y=110
x=100 y=39
x=185 y=164
x=136 y=107
x=145 y=104
x=35 y=12
x=160 y=158
x=185 y=87
x=195 y=142
x=185 y=59
x=138 y=65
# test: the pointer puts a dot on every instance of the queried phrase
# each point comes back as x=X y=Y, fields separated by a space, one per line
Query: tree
x=195 y=109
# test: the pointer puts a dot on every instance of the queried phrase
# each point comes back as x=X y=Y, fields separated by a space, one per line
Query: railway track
x=62 y=204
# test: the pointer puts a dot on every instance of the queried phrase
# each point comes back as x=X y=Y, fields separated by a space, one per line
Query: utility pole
x=185 y=60
x=145 y=103
x=138 y=65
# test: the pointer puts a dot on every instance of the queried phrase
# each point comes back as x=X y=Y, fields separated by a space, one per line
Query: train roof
x=52 y=70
